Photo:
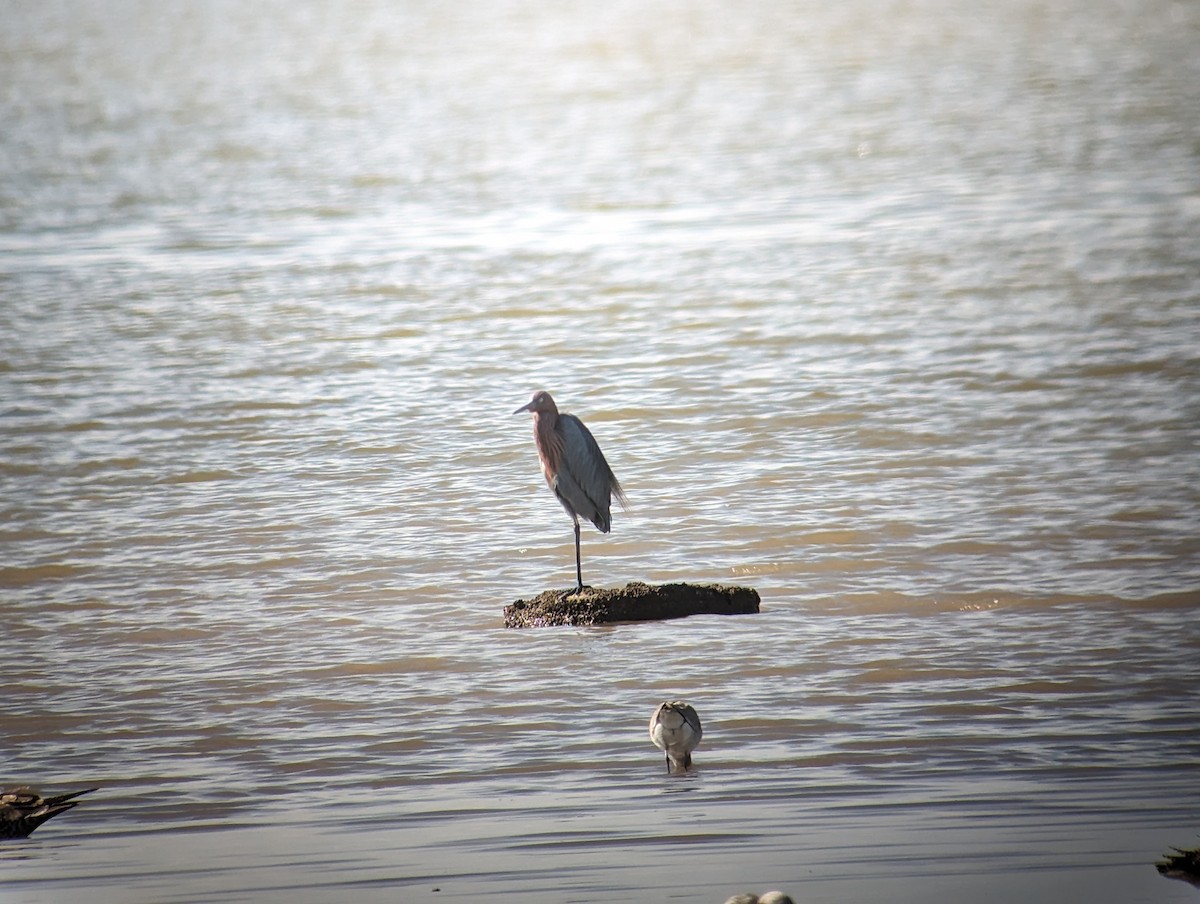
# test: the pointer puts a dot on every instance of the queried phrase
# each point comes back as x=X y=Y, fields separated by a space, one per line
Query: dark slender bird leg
x=578 y=567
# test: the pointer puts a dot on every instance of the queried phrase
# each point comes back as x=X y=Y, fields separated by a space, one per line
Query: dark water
x=888 y=310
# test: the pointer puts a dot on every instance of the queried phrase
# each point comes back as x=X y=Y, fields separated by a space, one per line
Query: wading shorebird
x=22 y=810
x=574 y=467
x=675 y=729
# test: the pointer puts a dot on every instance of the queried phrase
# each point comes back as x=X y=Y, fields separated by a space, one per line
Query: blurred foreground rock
x=22 y=809
x=633 y=602
x=1181 y=864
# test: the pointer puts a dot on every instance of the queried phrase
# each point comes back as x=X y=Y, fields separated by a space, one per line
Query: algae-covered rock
x=634 y=602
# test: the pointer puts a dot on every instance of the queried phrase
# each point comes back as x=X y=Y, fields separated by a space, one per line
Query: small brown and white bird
x=675 y=730
x=22 y=810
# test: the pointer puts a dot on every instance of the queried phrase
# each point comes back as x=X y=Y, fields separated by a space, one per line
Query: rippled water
x=887 y=310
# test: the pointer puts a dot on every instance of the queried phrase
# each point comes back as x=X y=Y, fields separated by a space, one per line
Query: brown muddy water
x=889 y=310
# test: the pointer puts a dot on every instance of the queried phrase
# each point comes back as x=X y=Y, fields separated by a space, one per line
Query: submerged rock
x=633 y=602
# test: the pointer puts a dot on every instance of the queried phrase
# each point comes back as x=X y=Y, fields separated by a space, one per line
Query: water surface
x=887 y=310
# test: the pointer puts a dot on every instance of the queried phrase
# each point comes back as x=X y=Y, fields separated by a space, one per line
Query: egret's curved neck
x=549 y=443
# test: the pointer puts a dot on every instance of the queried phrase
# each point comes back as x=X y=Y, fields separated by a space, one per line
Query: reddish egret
x=22 y=810
x=675 y=729
x=574 y=467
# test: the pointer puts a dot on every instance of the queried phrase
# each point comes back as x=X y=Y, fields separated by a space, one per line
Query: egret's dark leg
x=578 y=567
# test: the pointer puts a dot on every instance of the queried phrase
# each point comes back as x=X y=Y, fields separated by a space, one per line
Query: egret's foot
x=575 y=591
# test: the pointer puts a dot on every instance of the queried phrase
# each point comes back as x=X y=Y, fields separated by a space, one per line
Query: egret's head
x=540 y=402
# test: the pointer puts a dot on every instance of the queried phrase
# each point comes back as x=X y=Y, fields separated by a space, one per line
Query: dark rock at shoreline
x=22 y=809
x=634 y=602
x=1181 y=864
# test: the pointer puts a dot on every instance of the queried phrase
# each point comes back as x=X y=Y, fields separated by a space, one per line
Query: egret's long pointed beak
x=524 y=407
